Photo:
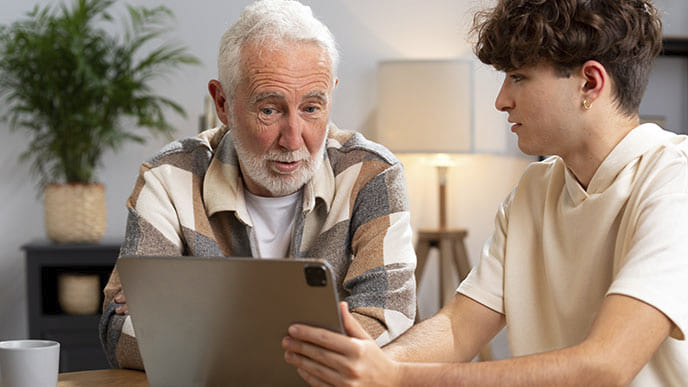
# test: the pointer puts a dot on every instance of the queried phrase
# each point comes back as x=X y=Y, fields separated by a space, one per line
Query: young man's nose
x=503 y=102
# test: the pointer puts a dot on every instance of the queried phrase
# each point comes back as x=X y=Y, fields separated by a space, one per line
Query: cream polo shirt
x=558 y=249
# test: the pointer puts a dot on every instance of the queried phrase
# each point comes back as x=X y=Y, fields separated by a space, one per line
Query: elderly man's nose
x=291 y=134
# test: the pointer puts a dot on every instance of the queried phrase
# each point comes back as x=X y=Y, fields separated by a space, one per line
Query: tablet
x=220 y=321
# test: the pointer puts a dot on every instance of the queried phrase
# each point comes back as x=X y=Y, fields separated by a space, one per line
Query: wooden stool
x=453 y=256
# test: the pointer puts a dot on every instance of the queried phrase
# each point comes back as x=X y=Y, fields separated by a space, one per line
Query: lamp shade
x=426 y=106
x=434 y=107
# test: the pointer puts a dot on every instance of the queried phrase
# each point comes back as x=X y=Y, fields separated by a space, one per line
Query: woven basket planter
x=78 y=293
x=75 y=212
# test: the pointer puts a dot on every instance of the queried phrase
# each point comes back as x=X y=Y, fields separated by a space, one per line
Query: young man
x=588 y=263
x=276 y=180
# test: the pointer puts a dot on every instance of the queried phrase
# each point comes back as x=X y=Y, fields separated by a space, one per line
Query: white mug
x=29 y=363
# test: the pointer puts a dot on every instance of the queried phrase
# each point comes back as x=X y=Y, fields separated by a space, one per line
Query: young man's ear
x=220 y=99
x=595 y=79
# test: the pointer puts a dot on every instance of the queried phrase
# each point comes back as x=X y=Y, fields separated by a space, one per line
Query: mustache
x=300 y=154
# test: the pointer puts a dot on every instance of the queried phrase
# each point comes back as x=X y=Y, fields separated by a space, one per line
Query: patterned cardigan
x=189 y=200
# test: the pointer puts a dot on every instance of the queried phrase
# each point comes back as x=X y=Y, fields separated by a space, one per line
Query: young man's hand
x=327 y=358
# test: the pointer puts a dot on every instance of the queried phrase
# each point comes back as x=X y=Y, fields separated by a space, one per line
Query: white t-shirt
x=558 y=249
x=273 y=223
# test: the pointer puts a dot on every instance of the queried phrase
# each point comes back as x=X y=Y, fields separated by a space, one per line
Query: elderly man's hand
x=122 y=304
x=326 y=358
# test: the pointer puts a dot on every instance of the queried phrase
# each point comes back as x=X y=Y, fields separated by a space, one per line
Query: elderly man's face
x=280 y=112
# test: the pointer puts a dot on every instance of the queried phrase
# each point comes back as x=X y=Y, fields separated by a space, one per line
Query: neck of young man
x=598 y=139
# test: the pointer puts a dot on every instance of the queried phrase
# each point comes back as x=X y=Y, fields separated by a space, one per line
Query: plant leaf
x=69 y=83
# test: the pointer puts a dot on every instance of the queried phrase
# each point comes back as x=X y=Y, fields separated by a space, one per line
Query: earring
x=587 y=105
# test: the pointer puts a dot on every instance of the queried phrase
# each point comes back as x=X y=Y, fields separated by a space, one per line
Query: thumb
x=351 y=325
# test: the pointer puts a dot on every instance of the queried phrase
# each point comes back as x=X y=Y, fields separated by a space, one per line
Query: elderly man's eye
x=267 y=111
x=311 y=109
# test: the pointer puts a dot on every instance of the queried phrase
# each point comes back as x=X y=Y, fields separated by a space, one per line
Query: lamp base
x=442 y=190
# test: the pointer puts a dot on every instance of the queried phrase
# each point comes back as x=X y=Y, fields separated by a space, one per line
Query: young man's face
x=279 y=118
x=544 y=108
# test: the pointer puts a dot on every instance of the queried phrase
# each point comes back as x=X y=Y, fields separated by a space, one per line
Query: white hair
x=270 y=23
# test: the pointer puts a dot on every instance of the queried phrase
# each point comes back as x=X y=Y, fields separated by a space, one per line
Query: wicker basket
x=75 y=212
x=78 y=293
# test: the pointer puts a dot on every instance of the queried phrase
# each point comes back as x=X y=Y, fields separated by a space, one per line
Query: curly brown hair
x=623 y=35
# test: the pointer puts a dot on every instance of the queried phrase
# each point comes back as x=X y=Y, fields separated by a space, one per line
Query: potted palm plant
x=77 y=90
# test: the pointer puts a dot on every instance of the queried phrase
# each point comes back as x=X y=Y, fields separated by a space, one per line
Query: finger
x=351 y=325
x=321 y=337
x=120 y=299
x=310 y=379
x=318 y=354
x=311 y=371
x=122 y=309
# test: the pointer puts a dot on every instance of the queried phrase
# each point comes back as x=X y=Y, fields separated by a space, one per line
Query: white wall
x=667 y=91
x=367 y=31
x=666 y=97
x=674 y=17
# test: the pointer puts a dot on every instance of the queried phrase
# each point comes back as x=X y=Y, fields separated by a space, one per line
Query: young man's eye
x=516 y=77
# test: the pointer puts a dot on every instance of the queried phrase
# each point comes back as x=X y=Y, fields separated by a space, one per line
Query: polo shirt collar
x=638 y=141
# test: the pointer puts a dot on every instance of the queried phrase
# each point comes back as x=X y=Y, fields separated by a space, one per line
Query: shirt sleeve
x=380 y=279
x=145 y=235
x=654 y=268
x=485 y=282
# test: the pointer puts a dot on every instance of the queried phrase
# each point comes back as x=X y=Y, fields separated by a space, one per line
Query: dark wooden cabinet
x=78 y=334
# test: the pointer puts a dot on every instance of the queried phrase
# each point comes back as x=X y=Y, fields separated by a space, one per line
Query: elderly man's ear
x=220 y=99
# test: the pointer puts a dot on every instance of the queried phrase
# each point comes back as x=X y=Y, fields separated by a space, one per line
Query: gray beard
x=257 y=167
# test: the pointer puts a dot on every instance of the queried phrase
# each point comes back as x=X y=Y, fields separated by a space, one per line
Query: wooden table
x=103 y=378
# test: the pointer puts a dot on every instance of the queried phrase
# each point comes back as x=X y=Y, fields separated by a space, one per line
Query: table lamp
x=431 y=107
x=427 y=107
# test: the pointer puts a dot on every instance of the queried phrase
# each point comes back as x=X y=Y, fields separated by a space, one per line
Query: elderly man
x=588 y=262
x=276 y=180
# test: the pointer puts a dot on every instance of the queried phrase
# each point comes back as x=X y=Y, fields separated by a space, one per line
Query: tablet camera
x=315 y=275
